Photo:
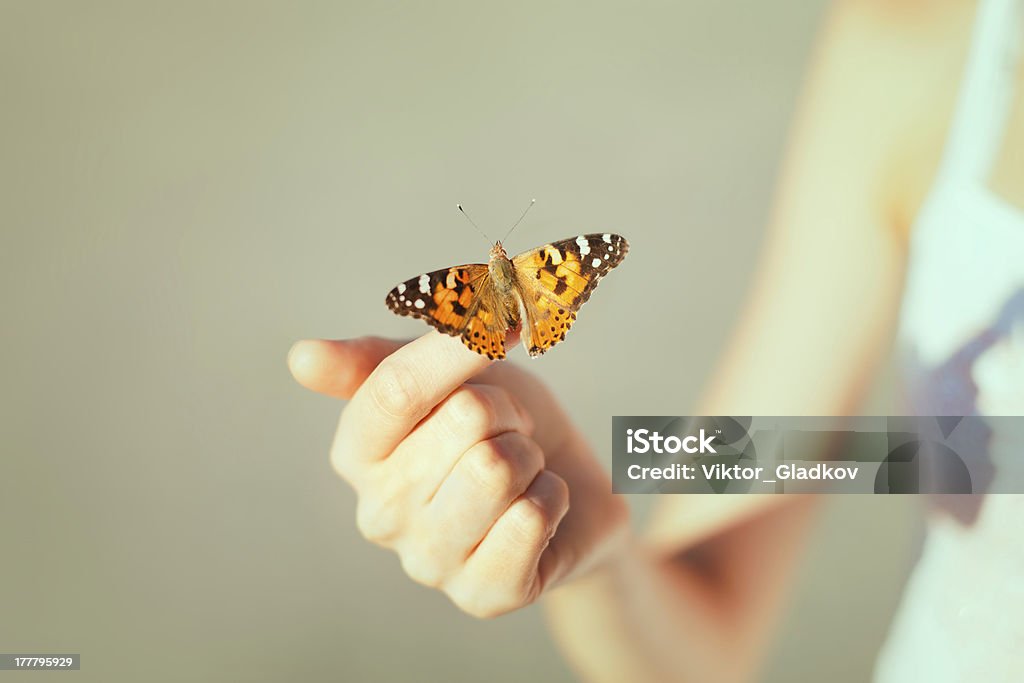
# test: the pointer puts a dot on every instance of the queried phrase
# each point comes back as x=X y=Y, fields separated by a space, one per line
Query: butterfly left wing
x=555 y=280
x=458 y=301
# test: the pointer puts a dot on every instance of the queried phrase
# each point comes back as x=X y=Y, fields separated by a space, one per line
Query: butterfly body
x=543 y=288
x=506 y=302
x=501 y=269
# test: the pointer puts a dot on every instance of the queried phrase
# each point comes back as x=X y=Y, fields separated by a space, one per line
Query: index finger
x=400 y=391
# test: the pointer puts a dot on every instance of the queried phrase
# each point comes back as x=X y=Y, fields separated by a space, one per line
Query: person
x=898 y=218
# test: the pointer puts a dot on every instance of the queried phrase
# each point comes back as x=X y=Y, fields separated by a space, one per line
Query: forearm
x=698 y=616
x=637 y=618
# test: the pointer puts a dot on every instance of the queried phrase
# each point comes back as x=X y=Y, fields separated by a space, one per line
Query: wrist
x=613 y=545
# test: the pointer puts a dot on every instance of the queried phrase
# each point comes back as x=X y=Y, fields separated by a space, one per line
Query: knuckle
x=472 y=409
x=376 y=522
x=487 y=601
x=523 y=415
x=491 y=465
x=423 y=568
x=476 y=601
x=533 y=456
x=529 y=522
x=393 y=388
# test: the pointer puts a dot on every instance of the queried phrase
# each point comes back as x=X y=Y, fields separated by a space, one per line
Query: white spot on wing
x=408 y=302
x=596 y=262
x=556 y=256
x=584 y=245
x=419 y=303
x=401 y=288
x=607 y=238
x=424 y=285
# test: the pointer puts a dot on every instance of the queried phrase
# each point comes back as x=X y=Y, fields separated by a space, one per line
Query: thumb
x=337 y=367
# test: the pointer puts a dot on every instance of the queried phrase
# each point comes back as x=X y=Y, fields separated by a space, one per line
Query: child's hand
x=464 y=467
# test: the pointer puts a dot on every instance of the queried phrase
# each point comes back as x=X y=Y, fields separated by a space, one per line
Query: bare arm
x=694 y=599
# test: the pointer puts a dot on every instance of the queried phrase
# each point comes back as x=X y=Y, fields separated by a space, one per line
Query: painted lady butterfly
x=481 y=302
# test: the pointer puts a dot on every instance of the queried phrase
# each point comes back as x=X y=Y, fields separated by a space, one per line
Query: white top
x=961 y=337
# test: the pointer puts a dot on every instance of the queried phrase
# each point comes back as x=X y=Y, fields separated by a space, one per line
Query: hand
x=465 y=467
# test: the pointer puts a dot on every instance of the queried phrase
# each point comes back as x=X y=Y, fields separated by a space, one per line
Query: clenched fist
x=468 y=469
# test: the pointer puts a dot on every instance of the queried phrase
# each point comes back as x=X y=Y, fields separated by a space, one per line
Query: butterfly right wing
x=556 y=279
x=458 y=301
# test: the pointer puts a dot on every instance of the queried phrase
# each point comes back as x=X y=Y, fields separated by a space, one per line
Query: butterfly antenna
x=473 y=223
x=529 y=206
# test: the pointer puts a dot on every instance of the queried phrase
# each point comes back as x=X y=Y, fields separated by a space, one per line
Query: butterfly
x=481 y=302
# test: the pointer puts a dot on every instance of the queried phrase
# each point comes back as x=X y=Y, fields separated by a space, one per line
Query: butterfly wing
x=555 y=280
x=485 y=327
x=458 y=301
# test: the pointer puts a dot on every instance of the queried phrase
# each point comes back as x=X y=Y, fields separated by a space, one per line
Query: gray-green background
x=185 y=188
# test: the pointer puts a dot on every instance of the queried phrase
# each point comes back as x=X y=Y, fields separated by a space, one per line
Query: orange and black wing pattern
x=458 y=301
x=555 y=280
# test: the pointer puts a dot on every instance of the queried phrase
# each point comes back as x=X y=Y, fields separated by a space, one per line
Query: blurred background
x=186 y=188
